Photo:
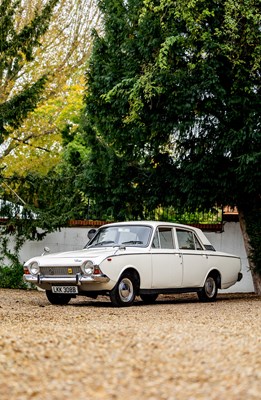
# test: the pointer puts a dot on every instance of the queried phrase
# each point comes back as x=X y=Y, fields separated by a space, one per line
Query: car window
x=197 y=244
x=163 y=238
x=187 y=240
x=106 y=235
x=129 y=235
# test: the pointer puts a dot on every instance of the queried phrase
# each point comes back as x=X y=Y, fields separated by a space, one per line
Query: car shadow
x=104 y=302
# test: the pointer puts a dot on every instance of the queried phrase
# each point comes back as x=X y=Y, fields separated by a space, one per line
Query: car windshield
x=124 y=235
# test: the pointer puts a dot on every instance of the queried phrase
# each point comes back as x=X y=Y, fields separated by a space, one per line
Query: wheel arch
x=132 y=270
x=126 y=289
x=215 y=273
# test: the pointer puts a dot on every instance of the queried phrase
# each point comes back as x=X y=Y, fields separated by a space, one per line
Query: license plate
x=65 y=289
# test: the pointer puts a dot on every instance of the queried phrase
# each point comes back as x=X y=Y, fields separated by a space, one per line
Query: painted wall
x=230 y=241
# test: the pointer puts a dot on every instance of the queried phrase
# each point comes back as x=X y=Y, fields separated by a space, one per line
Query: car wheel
x=209 y=290
x=149 y=298
x=124 y=292
x=58 y=299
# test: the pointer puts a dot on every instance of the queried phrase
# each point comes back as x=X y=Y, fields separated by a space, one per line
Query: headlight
x=34 y=268
x=87 y=267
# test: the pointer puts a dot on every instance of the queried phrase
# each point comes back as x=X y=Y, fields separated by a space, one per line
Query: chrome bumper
x=77 y=279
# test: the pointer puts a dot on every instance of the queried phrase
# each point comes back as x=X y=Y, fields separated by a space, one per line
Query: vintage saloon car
x=142 y=258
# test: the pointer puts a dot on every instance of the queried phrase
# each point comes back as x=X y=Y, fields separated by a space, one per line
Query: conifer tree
x=19 y=96
x=174 y=108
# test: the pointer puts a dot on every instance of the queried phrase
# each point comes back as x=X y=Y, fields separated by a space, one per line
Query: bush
x=11 y=277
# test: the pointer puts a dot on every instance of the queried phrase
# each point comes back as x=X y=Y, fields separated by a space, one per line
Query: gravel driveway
x=176 y=349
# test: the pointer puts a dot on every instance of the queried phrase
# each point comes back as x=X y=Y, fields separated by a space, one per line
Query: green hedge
x=11 y=277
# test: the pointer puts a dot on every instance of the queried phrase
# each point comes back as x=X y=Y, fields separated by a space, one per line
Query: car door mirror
x=91 y=233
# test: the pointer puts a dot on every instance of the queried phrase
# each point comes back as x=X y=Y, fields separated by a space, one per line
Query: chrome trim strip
x=177 y=252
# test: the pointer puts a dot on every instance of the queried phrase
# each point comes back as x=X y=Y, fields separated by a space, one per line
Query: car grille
x=59 y=271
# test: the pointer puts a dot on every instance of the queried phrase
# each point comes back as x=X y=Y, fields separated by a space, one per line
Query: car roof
x=154 y=224
x=151 y=223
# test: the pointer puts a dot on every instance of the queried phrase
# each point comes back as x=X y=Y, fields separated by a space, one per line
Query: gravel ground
x=176 y=349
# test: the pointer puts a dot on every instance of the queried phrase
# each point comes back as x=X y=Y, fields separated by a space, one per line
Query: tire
x=209 y=290
x=124 y=292
x=58 y=299
x=149 y=298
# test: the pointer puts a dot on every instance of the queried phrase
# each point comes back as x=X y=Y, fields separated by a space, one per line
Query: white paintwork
x=167 y=268
x=157 y=268
x=195 y=268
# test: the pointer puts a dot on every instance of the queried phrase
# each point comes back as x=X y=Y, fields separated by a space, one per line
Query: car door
x=194 y=258
x=166 y=260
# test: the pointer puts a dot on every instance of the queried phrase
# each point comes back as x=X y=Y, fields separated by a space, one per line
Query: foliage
x=42 y=149
x=212 y=216
x=173 y=106
x=18 y=96
x=11 y=277
x=253 y=221
x=60 y=55
x=44 y=68
x=20 y=93
x=128 y=155
x=11 y=274
x=50 y=202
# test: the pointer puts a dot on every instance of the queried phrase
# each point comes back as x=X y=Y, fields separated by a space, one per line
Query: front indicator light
x=26 y=271
x=97 y=270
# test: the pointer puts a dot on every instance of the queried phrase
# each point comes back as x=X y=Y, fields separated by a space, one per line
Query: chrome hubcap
x=126 y=290
x=210 y=286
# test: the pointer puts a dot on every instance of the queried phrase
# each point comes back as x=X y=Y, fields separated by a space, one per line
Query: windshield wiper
x=133 y=242
x=102 y=243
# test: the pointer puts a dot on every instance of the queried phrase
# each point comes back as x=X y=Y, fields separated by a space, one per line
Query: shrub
x=11 y=277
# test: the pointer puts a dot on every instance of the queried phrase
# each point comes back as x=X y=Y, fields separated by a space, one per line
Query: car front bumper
x=77 y=279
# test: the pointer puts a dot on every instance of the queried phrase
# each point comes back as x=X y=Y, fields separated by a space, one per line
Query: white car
x=129 y=259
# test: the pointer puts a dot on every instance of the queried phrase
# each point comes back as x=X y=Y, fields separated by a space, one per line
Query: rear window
x=187 y=240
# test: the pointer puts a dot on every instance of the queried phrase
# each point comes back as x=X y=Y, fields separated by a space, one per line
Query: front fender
x=114 y=267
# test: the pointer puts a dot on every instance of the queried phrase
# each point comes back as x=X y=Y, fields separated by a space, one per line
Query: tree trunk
x=255 y=276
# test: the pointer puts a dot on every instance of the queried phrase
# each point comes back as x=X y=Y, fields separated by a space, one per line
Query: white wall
x=230 y=241
x=63 y=240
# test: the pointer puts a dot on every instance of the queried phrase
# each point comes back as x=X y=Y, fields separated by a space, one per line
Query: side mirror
x=91 y=233
x=46 y=250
